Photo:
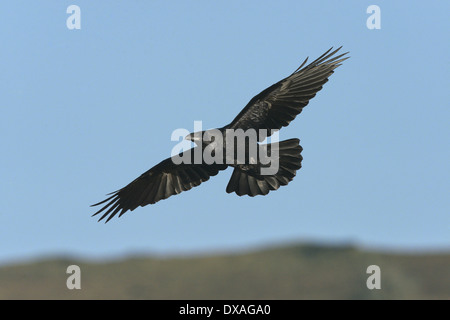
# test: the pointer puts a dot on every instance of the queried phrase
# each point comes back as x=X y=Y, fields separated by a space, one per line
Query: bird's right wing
x=280 y=103
x=160 y=182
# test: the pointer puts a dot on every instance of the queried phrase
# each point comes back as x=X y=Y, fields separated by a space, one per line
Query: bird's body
x=255 y=172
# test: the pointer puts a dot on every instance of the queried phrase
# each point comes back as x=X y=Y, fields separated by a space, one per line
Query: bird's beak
x=194 y=136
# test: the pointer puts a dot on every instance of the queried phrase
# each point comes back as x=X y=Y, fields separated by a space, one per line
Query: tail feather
x=245 y=180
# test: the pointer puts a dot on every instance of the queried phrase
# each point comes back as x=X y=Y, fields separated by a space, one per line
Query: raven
x=270 y=110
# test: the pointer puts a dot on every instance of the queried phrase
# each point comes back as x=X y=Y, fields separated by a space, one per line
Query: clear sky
x=84 y=112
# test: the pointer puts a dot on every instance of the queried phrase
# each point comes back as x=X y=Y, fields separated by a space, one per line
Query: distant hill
x=291 y=272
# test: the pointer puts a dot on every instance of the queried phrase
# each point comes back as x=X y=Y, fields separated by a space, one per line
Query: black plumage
x=276 y=106
x=272 y=109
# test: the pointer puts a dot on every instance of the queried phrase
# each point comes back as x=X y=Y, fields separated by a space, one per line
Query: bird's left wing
x=160 y=182
x=279 y=104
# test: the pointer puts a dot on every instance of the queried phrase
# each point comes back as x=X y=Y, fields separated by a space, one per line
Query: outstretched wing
x=160 y=182
x=278 y=105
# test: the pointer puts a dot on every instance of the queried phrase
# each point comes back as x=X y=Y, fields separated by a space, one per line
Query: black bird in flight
x=272 y=109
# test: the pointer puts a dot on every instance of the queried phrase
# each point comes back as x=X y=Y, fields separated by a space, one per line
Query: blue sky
x=86 y=111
